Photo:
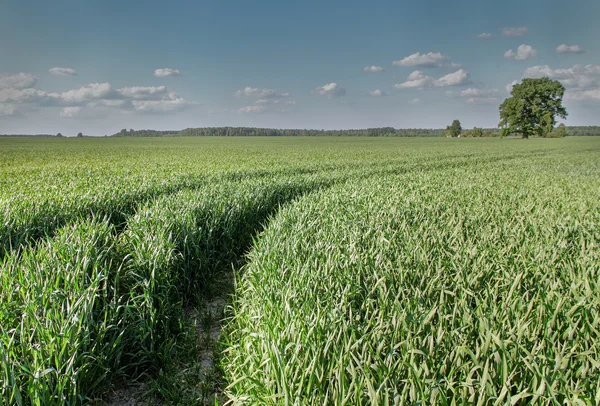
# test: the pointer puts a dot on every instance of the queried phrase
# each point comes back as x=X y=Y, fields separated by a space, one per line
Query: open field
x=370 y=270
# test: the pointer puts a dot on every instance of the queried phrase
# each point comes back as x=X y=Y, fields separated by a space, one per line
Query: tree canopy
x=532 y=108
x=454 y=130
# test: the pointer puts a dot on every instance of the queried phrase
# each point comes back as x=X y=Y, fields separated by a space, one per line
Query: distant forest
x=367 y=132
x=273 y=132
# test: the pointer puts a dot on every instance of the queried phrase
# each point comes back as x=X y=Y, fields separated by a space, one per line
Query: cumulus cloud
x=523 y=53
x=453 y=79
x=578 y=76
x=581 y=81
x=429 y=60
x=373 y=68
x=17 y=93
x=330 y=90
x=418 y=80
x=251 y=109
x=71 y=112
x=164 y=72
x=569 y=49
x=63 y=71
x=89 y=92
x=376 y=93
x=258 y=93
x=514 y=31
x=18 y=81
x=485 y=35
x=585 y=95
x=144 y=92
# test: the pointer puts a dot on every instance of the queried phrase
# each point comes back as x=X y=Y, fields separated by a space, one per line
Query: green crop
x=371 y=271
x=477 y=285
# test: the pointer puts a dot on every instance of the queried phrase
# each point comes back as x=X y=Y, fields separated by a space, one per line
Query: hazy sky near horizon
x=99 y=66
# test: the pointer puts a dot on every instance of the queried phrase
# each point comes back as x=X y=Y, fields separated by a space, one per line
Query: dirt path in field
x=202 y=373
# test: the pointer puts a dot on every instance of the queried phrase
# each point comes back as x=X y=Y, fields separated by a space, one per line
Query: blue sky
x=99 y=66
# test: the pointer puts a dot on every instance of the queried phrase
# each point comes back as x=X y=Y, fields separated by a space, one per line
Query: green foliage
x=532 y=108
x=583 y=130
x=454 y=130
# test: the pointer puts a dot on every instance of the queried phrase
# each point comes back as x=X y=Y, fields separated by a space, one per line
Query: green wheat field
x=368 y=271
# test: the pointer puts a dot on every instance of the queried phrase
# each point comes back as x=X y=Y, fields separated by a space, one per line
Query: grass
x=389 y=270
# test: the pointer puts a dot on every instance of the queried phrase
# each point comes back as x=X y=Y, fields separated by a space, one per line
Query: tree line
x=276 y=132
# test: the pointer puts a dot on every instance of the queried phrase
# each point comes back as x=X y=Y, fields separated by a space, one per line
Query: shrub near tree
x=532 y=108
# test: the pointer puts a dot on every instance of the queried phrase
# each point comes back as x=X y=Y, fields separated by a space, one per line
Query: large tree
x=454 y=130
x=532 y=107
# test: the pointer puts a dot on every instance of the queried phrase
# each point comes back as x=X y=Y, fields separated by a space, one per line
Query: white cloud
x=63 y=71
x=514 y=31
x=523 y=53
x=585 y=95
x=164 y=72
x=252 y=109
x=429 y=60
x=90 y=101
x=478 y=92
x=581 y=81
x=258 y=93
x=418 y=80
x=330 y=90
x=160 y=106
x=453 y=79
x=89 y=92
x=569 y=49
x=376 y=93
x=485 y=35
x=23 y=95
x=578 y=76
x=70 y=112
x=415 y=101
x=19 y=81
x=373 y=68
x=144 y=92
